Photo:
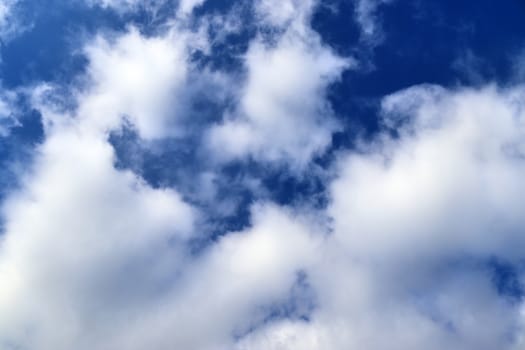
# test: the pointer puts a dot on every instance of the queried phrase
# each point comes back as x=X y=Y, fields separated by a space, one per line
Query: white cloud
x=139 y=79
x=104 y=241
x=282 y=112
x=94 y=258
x=87 y=226
x=464 y=313
x=8 y=112
x=125 y=6
x=5 y=11
x=367 y=18
x=81 y=293
x=115 y=3
x=413 y=217
x=77 y=216
x=449 y=182
x=185 y=7
x=284 y=13
x=10 y=23
x=224 y=291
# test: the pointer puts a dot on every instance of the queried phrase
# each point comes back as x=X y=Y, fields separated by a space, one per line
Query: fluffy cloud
x=130 y=281
x=282 y=112
x=81 y=218
x=359 y=311
x=136 y=78
x=414 y=216
x=227 y=289
x=115 y=238
x=92 y=256
x=116 y=265
x=284 y=13
x=448 y=182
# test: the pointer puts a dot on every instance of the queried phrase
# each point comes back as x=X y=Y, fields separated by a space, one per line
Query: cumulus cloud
x=113 y=236
x=414 y=217
x=443 y=182
x=94 y=257
x=116 y=266
x=136 y=78
x=81 y=218
x=282 y=112
x=450 y=181
x=129 y=281
x=227 y=289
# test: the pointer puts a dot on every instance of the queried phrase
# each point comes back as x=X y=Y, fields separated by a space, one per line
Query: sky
x=262 y=175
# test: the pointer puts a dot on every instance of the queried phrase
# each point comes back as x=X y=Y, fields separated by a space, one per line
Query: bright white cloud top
x=282 y=114
x=92 y=256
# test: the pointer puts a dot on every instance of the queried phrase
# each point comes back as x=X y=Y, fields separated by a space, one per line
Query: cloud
x=187 y=6
x=284 y=13
x=80 y=217
x=184 y=8
x=359 y=311
x=139 y=79
x=116 y=267
x=5 y=11
x=282 y=113
x=131 y=283
x=226 y=289
x=121 y=6
x=463 y=153
x=413 y=215
x=8 y=112
x=11 y=23
x=94 y=257
x=416 y=216
x=367 y=19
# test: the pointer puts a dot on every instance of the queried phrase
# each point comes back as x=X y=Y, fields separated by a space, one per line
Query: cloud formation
x=404 y=253
x=136 y=78
x=8 y=117
x=414 y=218
x=366 y=17
x=282 y=112
x=10 y=23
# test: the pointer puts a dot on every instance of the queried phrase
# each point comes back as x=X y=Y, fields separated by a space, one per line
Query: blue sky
x=262 y=174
